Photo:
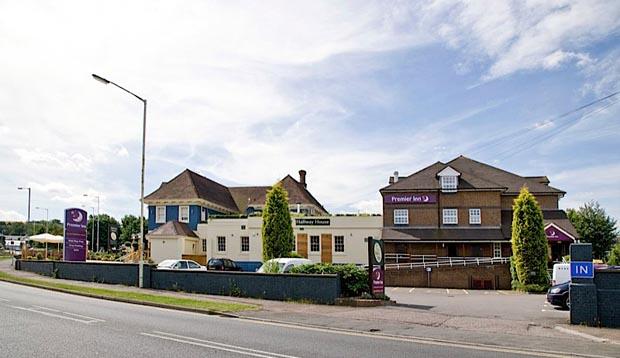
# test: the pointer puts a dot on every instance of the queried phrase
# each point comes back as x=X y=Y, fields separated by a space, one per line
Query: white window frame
x=475 y=216
x=203 y=214
x=318 y=243
x=449 y=183
x=159 y=210
x=450 y=216
x=497 y=249
x=221 y=243
x=181 y=207
x=241 y=243
x=204 y=245
x=401 y=216
x=336 y=245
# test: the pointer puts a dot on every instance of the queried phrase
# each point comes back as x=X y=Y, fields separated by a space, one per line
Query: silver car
x=180 y=265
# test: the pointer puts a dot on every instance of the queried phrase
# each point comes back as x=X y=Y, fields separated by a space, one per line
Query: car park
x=285 y=264
x=180 y=265
x=222 y=264
x=559 y=295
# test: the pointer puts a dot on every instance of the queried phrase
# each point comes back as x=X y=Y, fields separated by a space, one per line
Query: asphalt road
x=508 y=305
x=41 y=323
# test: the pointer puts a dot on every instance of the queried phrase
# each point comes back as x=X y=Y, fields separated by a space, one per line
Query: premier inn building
x=463 y=208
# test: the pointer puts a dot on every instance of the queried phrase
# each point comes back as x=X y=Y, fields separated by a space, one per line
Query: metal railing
x=449 y=262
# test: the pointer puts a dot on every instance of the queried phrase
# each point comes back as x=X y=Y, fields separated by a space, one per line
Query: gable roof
x=474 y=175
x=190 y=185
x=256 y=195
x=173 y=228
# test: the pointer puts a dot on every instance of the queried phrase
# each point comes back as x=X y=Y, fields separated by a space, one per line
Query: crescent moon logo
x=425 y=198
x=77 y=218
x=552 y=232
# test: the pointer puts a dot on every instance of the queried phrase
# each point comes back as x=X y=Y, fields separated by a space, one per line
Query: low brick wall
x=484 y=276
x=315 y=288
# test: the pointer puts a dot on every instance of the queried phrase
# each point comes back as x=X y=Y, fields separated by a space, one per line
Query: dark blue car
x=558 y=295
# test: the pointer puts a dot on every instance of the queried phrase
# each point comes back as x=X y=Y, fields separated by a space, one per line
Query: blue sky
x=351 y=92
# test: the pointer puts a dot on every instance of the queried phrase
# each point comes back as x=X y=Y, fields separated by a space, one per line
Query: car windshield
x=167 y=263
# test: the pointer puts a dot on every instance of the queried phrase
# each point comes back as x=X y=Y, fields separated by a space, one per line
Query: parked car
x=285 y=264
x=559 y=295
x=222 y=264
x=561 y=273
x=180 y=265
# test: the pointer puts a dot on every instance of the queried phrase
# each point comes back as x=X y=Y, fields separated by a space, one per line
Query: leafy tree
x=529 y=243
x=130 y=225
x=614 y=255
x=594 y=226
x=278 y=239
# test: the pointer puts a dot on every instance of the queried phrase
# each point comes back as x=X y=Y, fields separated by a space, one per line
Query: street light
x=29 y=192
x=46 y=216
x=98 y=215
x=140 y=244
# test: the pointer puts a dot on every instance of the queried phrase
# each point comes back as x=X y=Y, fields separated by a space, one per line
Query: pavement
x=494 y=318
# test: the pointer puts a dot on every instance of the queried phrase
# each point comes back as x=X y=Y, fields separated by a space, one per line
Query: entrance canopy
x=47 y=238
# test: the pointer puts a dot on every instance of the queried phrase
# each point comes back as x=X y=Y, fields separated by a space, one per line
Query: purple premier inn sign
x=75 y=234
x=555 y=234
x=409 y=198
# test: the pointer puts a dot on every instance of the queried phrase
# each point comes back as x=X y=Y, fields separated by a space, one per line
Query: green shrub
x=614 y=256
x=294 y=255
x=353 y=279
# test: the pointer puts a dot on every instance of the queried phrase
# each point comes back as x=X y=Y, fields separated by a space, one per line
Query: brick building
x=463 y=208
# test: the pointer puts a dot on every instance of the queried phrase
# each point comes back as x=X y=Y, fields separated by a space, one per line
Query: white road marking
x=486 y=292
x=395 y=288
x=4 y=300
x=428 y=291
x=86 y=317
x=467 y=293
x=411 y=290
x=45 y=308
x=215 y=345
x=581 y=334
x=52 y=314
x=447 y=291
x=501 y=292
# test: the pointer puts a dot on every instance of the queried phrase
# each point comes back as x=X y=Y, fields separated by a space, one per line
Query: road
x=41 y=323
x=509 y=305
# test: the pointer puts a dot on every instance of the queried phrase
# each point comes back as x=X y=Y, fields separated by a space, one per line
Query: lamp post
x=29 y=192
x=98 y=214
x=140 y=244
x=46 y=217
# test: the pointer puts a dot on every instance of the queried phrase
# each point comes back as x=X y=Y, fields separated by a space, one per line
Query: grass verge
x=133 y=297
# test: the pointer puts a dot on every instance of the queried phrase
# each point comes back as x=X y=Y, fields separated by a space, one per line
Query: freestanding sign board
x=376 y=266
x=75 y=234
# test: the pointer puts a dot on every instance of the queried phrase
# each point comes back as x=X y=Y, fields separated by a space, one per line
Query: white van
x=285 y=264
x=561 y=273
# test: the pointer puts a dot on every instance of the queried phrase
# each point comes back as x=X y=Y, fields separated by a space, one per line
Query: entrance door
x=326 y=248
x=302 y=245
x=452 y=252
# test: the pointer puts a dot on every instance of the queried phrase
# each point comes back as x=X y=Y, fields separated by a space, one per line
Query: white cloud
x=10 y=215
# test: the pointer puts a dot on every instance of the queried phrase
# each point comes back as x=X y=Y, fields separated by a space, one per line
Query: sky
x=248 y=92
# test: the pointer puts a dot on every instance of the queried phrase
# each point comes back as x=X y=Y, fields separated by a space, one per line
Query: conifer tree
x=529 y=242
x=277 y=229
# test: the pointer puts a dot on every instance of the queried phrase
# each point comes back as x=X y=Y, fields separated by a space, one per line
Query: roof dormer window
x=449 y=179
x=448 y=184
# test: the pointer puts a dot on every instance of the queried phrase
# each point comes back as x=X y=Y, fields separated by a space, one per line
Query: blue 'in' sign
x=581 y=269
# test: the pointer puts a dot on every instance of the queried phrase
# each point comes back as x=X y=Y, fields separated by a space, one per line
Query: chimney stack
x=302 y=178
x=395 y=176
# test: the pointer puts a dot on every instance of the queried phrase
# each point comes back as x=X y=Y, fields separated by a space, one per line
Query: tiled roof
x=189 y=185
x=474 y=175
x=173 y=228
x=443 y=234
x=557 y=217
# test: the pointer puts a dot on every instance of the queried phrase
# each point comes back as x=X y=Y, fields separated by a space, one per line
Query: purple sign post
x=75 y=234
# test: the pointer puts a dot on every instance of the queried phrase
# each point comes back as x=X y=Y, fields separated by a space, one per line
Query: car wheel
x=566 y=304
